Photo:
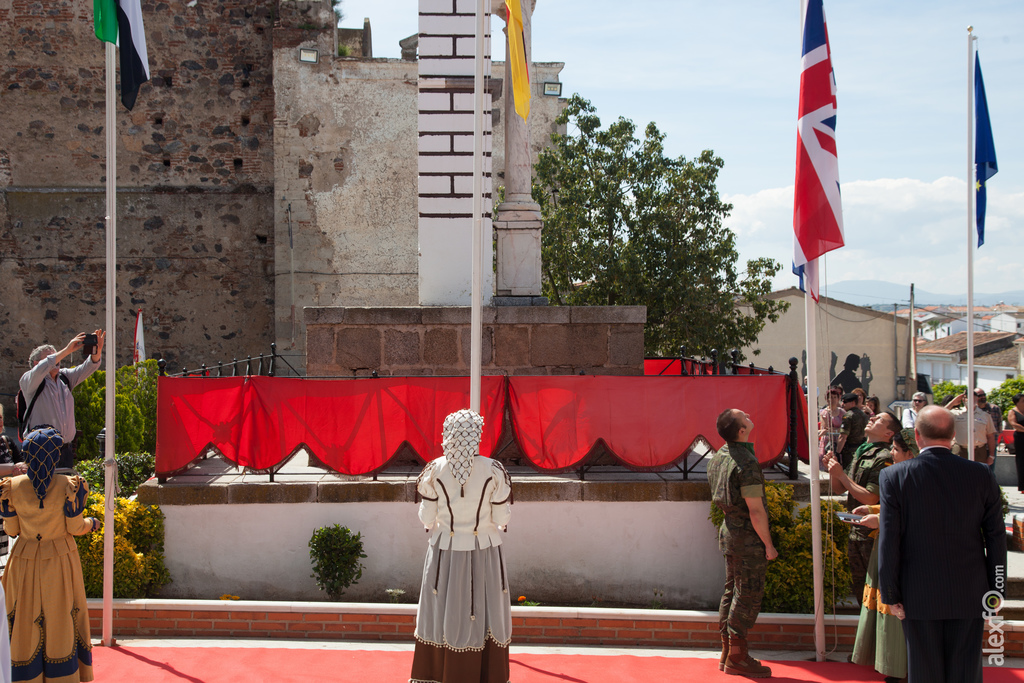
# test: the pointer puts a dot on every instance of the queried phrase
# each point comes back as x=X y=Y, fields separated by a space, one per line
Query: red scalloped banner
x=356 y=426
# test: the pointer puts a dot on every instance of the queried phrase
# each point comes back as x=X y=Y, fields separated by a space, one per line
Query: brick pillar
x=447 y=47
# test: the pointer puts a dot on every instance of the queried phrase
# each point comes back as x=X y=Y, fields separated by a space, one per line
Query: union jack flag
x=817 y=209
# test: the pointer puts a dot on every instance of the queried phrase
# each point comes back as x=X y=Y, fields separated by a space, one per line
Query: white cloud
x=899 y=230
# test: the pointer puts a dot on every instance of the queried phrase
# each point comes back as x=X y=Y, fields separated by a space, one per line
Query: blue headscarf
x=41 y=450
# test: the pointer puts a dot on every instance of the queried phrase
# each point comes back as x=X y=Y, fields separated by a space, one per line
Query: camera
x=89 y=344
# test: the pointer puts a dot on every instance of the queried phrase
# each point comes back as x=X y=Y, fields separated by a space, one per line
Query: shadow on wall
x=847 y=379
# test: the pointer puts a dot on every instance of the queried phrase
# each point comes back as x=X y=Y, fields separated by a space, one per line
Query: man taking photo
x=46 y=388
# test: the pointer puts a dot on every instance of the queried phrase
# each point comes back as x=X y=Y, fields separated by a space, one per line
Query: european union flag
x=984 y=148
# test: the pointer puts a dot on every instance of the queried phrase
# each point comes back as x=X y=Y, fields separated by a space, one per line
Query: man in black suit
x=942 y=551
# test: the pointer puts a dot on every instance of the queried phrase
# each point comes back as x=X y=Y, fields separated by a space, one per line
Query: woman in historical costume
x=879 y=642
x=464 y=620
x=43 y=579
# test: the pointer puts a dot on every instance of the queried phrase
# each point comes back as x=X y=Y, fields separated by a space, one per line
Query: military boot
x=725 y=647
x=739 y=663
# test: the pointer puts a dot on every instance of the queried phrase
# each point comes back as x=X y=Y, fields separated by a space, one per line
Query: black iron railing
x=263 y=364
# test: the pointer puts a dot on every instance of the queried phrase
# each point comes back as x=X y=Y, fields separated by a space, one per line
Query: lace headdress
x=460 y=441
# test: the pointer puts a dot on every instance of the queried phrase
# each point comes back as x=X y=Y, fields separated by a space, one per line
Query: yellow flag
x=517 y=56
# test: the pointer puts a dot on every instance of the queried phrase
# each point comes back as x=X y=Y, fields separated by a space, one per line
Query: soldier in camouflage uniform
x=737 y=487
x=851 y=433
x=860 y=482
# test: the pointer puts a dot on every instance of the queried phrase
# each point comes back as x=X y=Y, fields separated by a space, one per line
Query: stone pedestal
x=435 y=340
x=518 y=226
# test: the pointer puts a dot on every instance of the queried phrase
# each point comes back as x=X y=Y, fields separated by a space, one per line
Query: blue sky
x=725 y=76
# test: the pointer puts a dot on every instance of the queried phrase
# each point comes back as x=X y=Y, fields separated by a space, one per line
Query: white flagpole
x=110 y=476
x=811 y=328
x=969 y=399
x=476 y=314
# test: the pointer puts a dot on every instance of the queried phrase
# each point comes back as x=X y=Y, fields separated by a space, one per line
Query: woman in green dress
x=879 y=641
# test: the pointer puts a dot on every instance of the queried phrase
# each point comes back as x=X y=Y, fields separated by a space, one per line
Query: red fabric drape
x=357 y=426
x=647 y=422
x=351 y=426
x=673 y=366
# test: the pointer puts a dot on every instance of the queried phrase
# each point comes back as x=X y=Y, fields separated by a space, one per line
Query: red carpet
x=228 y=665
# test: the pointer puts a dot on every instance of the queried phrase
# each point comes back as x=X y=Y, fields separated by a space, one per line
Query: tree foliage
x=134 y=410
x=626 y=225
x=946 y=389
x=1002 y=395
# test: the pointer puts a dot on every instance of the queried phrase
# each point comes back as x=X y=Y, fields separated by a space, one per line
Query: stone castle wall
x=230 y=131
x=195 y=178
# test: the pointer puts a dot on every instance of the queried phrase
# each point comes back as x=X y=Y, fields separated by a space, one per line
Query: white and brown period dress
x=464 y=620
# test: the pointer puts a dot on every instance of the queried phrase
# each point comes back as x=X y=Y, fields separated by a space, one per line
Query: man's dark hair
x=729 y=424
x=894 y=423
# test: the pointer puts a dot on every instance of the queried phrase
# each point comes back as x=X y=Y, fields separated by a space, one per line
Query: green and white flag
x=120 y=22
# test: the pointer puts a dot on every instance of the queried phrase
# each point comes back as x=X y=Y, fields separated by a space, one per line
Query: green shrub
x=133 y=469
x=134 y=413
x=789 y=581
x=1002 y=395
x=946 y=389
x=335 y=552
x=139 y=569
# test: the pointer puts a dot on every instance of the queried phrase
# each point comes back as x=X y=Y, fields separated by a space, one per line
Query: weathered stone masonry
x=195 y=165
x=231 y=131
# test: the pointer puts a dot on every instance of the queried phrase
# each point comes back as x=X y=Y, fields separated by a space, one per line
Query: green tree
x=1002 y=395
x=944 y=390
x=134 y=412
x=626 y=225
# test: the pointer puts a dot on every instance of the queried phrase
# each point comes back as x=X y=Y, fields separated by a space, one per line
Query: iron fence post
x=795 y=394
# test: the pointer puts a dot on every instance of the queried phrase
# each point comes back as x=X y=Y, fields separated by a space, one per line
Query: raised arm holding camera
x=46 y=388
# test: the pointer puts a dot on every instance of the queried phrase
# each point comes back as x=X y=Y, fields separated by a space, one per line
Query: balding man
x=942 y=553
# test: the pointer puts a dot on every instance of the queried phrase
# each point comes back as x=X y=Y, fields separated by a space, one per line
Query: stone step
x=1012 y=610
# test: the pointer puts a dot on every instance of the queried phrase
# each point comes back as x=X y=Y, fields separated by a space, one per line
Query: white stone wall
x=345 y=161
x=447 y=47
x=557 y=552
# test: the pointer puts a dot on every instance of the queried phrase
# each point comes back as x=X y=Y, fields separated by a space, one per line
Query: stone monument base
x=435 y=340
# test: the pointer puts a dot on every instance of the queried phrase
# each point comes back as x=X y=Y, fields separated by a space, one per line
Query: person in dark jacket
x=942 y=553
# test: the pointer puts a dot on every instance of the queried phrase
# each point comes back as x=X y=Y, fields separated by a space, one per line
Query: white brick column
x=446 y=64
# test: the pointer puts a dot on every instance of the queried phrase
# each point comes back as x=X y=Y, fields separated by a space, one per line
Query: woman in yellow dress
x=43 y=580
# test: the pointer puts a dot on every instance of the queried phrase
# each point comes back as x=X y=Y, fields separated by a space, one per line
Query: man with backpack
x=46 y=389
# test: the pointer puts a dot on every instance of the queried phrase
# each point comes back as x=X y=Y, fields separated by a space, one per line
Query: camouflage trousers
x=744 y=588
x=860 y=553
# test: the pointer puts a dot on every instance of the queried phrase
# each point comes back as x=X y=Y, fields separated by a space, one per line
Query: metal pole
x=110 y=476
x=969 y=399
x=810 y=324
x=291 y=261
x=910 y=389
x=895 y=352
x=476 y=313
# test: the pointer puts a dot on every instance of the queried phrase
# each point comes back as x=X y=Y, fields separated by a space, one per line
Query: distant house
x=995 y=358
x=936 y=322
x=1008 y=321
x=857 y=346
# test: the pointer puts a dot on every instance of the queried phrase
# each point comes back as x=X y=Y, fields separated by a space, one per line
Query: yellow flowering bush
x=789 y=581
x=139 y=569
